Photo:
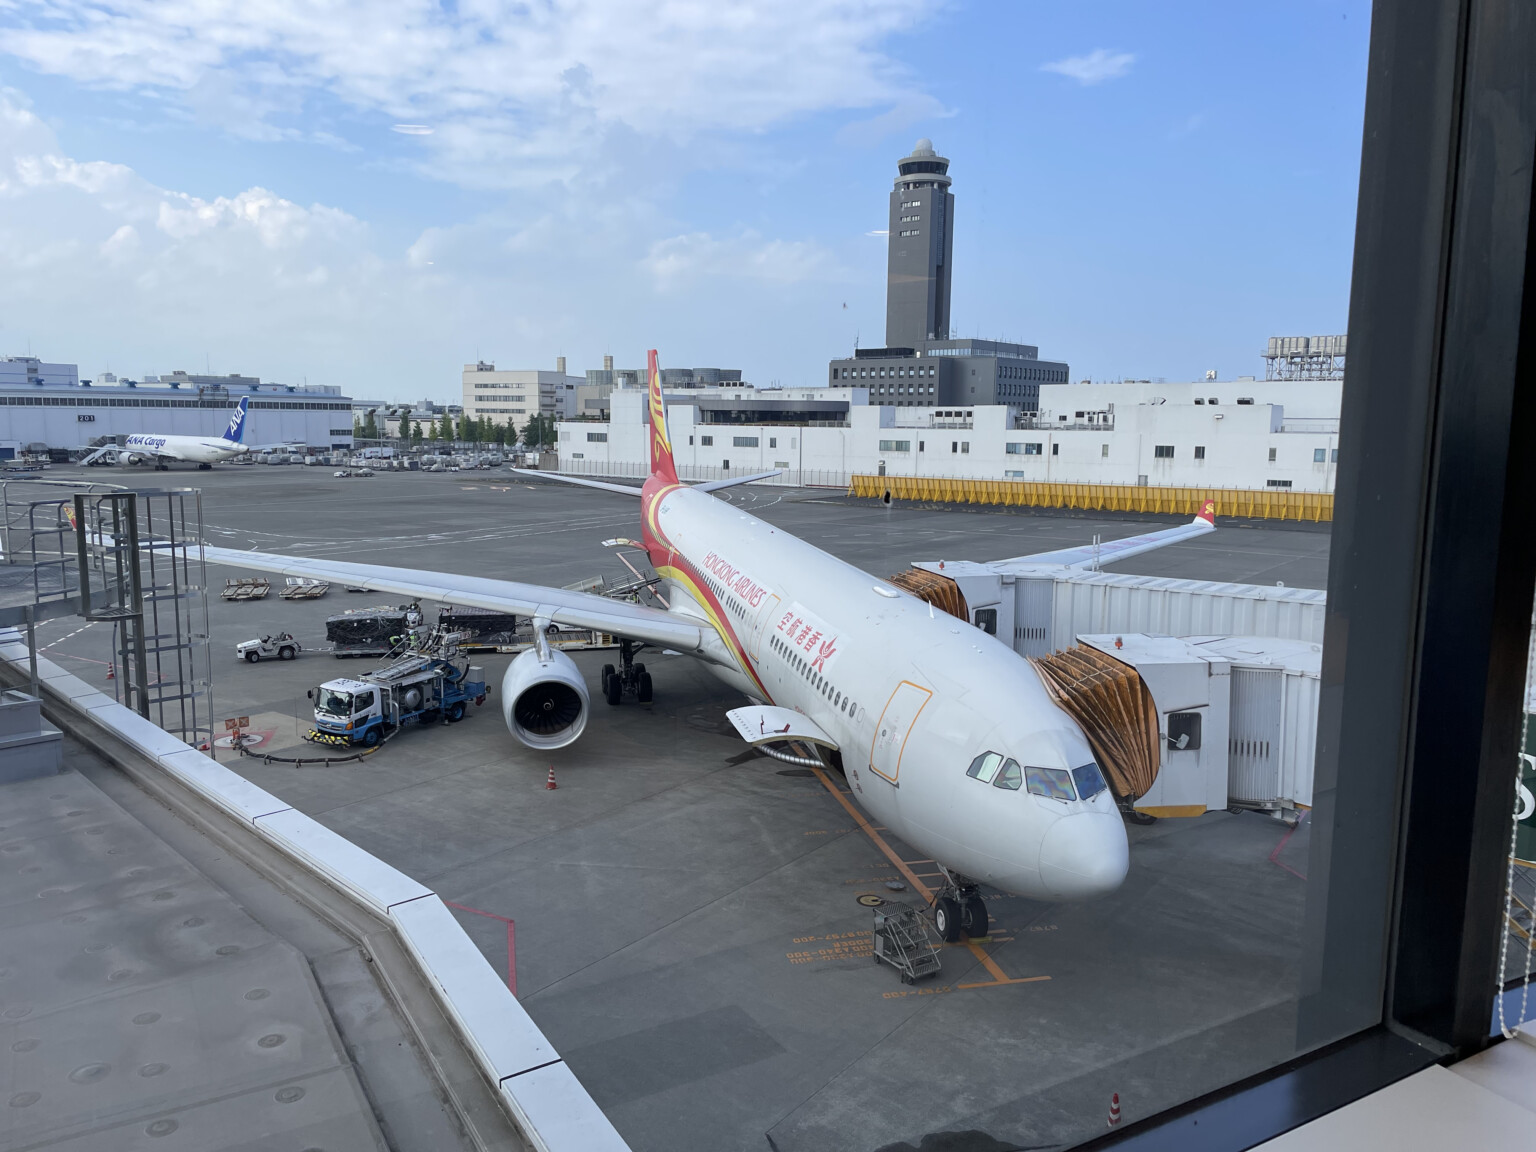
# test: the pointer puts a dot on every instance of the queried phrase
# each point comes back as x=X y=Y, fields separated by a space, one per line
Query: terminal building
x=920 y=366
x=1241 y=434
x=516 y=394
x=45 y=406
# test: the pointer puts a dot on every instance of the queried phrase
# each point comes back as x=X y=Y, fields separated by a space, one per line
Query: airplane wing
x=622 y=489
x=559 y=606
x=1088 y=555
x=731 y=482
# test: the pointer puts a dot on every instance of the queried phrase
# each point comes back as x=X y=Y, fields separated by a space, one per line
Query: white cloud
x=103 y=267
x=532 y=90
x=682 y=259
x=412 y=129
x=1098 y=66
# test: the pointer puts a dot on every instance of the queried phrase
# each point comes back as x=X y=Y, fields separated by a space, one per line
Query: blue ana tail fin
x=236 y=429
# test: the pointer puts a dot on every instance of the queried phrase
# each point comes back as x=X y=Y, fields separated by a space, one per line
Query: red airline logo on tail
x=1208 y=512
x=661 y=443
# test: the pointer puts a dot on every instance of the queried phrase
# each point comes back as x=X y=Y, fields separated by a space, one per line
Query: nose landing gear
x=629 y=677
x=958 y=908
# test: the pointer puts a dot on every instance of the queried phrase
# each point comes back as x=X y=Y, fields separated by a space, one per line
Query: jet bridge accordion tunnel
x=1115 y=710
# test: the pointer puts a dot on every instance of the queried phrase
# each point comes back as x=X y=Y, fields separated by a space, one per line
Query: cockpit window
x=985 y=766
x=1054 y=783
x=1090 y=781
x=1010 y=777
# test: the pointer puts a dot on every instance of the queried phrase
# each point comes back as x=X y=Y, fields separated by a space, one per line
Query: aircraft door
x=765 y=618
x=893 y=728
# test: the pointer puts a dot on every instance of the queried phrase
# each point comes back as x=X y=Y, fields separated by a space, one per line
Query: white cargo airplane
x=946 y=736
x=204 y=451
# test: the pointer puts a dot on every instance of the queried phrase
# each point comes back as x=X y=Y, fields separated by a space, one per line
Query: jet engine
x=544 y=699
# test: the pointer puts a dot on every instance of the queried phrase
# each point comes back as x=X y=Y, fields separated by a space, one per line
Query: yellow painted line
x=987 y=962
x=1000 y=983
x=890 y=854
x=1174 y=810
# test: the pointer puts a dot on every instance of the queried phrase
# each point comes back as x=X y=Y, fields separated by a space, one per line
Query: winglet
x=1207 y=513
x=236 y=430
x=662 y=466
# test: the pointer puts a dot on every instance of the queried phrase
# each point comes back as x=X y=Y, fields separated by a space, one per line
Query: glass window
x=362 y=702
x=1052 y=783
x=1010 y=777
x=1184 y=731
x=1090 y=781
x=1319 y=455
x=986 y=620
x=1163 y=452
x=985 y=766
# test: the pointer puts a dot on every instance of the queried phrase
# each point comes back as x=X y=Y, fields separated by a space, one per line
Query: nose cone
x=1084 y=855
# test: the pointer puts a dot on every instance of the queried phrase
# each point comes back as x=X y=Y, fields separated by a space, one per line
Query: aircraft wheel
x=607 y=672
x=975 y=917
x=643 y=686
x=371 y=738
x=251 y=657
x=285 y=653
x=946 y=918
x=205 y=467
x=639 y=668
x=613 y=691
x=454 y=713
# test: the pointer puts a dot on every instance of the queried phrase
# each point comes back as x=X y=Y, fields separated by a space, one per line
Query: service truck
x=419 y=689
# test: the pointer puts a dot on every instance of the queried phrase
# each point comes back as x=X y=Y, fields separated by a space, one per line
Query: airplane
x=946 y=736
x=204 y=451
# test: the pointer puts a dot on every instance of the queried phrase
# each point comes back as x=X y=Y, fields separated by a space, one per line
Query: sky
x=372 y=194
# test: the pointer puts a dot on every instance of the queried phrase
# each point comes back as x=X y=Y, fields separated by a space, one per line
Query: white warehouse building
x=1084 y=434
x=48 y=405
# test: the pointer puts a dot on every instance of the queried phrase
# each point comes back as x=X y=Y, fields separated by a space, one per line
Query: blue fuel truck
x=419 y=688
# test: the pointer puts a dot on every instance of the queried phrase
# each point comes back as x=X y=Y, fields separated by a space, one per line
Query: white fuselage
x=910 y=695
x=191 y=449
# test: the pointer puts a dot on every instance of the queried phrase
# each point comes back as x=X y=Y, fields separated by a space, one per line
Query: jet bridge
x=1044 y=608
x=1234 y=719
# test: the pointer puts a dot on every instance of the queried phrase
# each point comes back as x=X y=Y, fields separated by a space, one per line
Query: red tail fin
x=661 y=443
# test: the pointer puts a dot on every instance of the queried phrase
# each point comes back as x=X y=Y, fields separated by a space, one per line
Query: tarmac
x=685 y=923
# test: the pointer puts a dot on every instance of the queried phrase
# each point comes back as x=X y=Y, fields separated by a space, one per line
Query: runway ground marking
x=999 y=977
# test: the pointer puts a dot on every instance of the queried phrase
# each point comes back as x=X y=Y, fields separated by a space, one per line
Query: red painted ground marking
x=511 y=942
x=1274 y=856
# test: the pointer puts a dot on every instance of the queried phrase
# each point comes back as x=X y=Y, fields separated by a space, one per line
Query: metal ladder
x=903 y=941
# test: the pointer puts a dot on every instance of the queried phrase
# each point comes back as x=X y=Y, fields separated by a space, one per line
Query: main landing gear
x=959 y=909
x=629 y=677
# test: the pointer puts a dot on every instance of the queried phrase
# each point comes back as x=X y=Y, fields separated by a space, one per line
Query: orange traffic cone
x=550 y=784
x=1114 y=1109
x=112 y=671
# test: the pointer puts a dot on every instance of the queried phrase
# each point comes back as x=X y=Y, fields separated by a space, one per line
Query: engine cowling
x=544 y=699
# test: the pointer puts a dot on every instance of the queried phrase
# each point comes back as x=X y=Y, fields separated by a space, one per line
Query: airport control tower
x=921 y=365
x=922 y=242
